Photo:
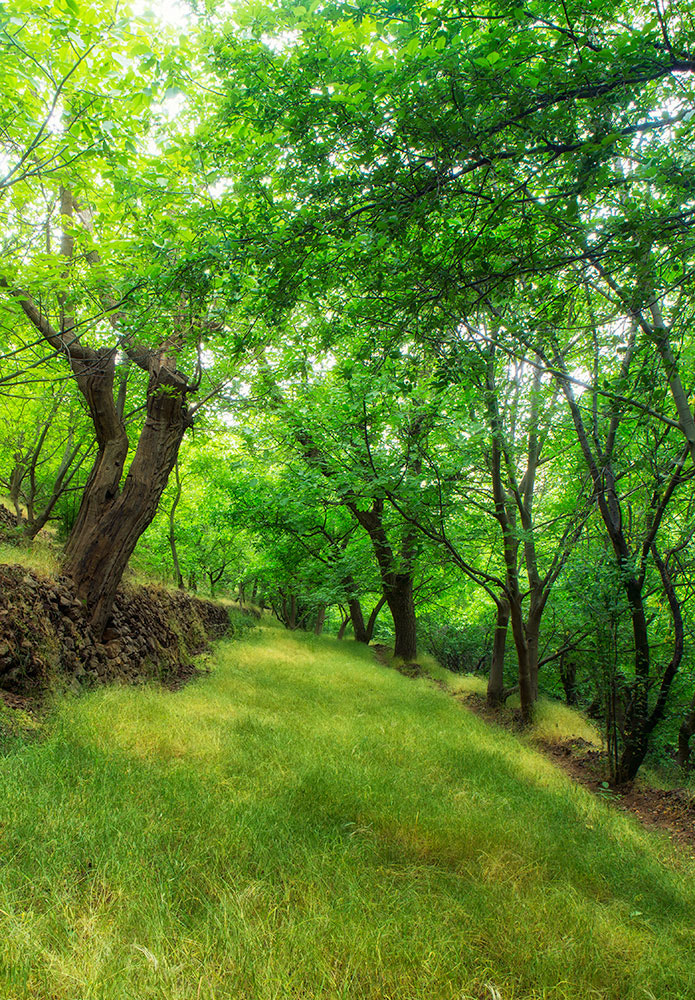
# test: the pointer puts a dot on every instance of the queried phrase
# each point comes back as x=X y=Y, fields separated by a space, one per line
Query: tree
x=123 y=300
x=633 y=548
x=46 y=446
x=338 y=448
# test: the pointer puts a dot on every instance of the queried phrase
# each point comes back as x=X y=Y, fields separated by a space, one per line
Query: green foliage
x=385 y=245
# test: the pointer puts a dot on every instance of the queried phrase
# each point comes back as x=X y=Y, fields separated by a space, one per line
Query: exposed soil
x=44 y=638
x=384 y=655
x=672 y=810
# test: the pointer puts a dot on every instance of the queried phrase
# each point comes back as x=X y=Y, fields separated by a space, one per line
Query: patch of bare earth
x=384 y=656
x=672 y=810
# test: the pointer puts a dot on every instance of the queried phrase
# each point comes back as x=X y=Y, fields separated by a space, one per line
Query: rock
x=152 y=633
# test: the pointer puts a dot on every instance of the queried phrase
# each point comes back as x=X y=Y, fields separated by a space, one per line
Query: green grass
x=40 y=556
x=553 y=722
x=306 y=824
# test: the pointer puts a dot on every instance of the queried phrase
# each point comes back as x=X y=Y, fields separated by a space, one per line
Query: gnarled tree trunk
x=396 y=579
x=113 y=515
x=111 y=518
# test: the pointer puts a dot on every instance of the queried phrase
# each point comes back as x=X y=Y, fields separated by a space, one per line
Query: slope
x=305 y=823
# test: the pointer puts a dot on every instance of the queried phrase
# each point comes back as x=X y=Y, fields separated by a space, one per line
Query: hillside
x=307 y=823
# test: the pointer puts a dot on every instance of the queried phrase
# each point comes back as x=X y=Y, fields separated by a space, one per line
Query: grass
x=40 y=556
x=306 y=824
x=553 y=721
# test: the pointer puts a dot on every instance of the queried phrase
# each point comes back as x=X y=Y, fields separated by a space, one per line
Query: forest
x=347 y=499
x=376 y=316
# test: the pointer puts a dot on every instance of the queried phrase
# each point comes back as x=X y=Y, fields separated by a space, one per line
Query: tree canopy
x=380 y=316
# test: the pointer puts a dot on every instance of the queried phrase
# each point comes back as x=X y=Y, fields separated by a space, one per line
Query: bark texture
x=495 y=684
x=112 y=518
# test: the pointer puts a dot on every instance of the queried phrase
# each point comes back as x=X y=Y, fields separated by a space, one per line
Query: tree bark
x=400 y=601
x=16 y=476
x=510 y=546
x=95 y=376
x=371 y=624
x=568 y=679
x=112 y=519
x=320 y=620
x=357 y=619
x=533 y=628
x=685 y=734
x=172 y=530
x=397 y=585
x=495 y=684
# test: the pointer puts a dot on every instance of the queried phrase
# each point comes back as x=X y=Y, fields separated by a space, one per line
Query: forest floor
x=298 y=824
x=669 y=809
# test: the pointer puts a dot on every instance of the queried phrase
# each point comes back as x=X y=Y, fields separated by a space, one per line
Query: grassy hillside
x=303 y=824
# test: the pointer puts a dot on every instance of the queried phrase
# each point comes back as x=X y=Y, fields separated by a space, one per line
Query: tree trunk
x=16 y=476
x=357 y=619
x=320 y=620
x=568 y=679
x=373 y=617
x=343 y=625
x=510 y=545
x=94 y=376
x=111 y=521
x=399 y=598
x=60 y=485
x=636 y=730
x=525 y=685
x=398 y=586
x=172 y=530
x=495 y=684
x=684 y=735
x=533 y=628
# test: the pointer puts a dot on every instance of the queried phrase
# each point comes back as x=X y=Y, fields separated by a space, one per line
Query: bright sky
x=174 y=12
